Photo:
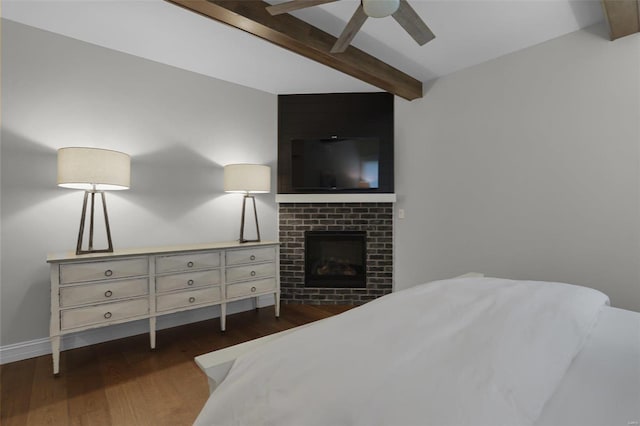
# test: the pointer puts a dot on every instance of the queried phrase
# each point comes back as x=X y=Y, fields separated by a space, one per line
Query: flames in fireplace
x=334 y=266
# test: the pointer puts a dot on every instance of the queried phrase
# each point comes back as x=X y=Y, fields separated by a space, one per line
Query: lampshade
x=380 y=8
x=93 y=168
x=247 y=178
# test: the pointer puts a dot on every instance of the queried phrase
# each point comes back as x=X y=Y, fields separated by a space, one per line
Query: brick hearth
x=374 y=218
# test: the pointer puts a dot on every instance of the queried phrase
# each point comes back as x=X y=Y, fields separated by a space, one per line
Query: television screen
x=335 y=163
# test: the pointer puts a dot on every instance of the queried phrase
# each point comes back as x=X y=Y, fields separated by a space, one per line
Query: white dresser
x=97 y=290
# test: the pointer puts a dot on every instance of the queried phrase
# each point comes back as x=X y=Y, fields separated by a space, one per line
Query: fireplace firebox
x=335 y=259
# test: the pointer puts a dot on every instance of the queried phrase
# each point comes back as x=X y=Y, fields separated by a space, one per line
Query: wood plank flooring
x=123 y=382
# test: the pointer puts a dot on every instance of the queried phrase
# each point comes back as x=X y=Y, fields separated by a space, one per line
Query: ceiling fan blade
x=412 y=23
x=349 y=32
x=290 y=6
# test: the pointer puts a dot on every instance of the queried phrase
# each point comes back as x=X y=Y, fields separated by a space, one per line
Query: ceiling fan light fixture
x=380 y=8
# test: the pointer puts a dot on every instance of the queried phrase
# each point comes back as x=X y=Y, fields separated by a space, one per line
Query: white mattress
x=602 y=385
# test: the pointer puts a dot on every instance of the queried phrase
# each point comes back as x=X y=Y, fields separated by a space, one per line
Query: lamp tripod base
x=90 y=249
x=255 y=215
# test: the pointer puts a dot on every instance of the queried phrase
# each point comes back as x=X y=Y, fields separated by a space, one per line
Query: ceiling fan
x=401 y=11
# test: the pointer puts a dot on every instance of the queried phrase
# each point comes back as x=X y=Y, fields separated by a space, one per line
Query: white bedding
x=473 y=351
x=602 y=385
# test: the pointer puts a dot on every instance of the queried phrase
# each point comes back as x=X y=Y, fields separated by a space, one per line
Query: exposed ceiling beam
x=623 y=17
x=297 y=36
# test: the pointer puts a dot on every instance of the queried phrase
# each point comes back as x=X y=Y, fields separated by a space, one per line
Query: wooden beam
x=297 y=36
x=623 y=17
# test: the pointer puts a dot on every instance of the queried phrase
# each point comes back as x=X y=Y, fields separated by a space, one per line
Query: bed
x=465 y=351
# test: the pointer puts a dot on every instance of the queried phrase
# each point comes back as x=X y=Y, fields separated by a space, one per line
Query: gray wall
x=179 y=127
x=527 y=167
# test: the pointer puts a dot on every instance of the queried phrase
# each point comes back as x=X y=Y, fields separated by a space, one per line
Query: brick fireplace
x=373 y=219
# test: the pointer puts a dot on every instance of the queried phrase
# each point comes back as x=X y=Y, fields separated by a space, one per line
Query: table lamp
x=94 y=171
x=247 y=179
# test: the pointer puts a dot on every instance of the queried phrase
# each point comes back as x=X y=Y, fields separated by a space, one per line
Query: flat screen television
x=335 y=163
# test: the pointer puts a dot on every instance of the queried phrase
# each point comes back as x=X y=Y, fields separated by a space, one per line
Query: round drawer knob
x=190 y=282
x=253 y=257
x=192 y=299
x=108 y=273
x=108 y=293
x=107 y=315
x=253 y=273
x=190 y=264
x=253 y=289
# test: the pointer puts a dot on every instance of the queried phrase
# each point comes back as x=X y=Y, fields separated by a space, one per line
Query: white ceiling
x=468 y=32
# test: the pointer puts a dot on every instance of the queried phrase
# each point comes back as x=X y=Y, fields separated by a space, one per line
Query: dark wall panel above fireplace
x=320 y=116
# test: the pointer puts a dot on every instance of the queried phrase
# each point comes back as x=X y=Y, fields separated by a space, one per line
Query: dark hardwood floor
x=123 y=382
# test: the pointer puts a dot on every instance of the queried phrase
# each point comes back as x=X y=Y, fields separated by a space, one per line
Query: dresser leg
x=152 y=332
x=277 y=298
x=223 y=316
x=55 y=352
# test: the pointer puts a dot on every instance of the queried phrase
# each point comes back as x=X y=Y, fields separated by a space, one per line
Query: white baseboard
x=39 y=347
x=24 y=350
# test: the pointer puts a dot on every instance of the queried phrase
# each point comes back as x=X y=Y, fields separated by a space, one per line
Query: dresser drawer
x=182 y=299
x=251 y=255
x=250 y=287
x=187 y=280
x=104 y=313
x=249 y=272
x=102 y=292
x=92 y=271
x=186 y=262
